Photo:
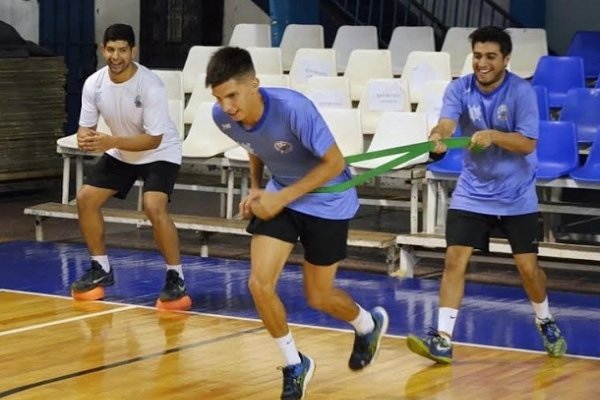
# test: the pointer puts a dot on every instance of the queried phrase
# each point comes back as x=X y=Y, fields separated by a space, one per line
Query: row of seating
x=580 y=106
x=312 y=63
x=529 y=44
x=557 y=152
x=558 y=75
x=393 y=94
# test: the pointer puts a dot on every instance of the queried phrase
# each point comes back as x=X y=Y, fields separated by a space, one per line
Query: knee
x=317 y=300
x=528 y=272
x=260 y=288
x=86 y=200
x=154 y=211
x=453 y=266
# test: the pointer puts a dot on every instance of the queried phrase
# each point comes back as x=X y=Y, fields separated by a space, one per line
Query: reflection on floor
x=490 y=315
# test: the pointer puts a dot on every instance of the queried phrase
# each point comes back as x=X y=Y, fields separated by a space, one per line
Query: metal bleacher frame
x=227 y=166
x=205 y=225
x=435 y=197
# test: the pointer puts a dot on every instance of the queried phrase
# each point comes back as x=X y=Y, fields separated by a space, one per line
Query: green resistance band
x=408 y=153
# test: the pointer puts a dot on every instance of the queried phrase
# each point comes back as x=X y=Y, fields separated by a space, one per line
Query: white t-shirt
x=136 y=106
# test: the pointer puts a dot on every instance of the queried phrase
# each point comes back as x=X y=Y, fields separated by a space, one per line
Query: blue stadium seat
x=557 y=150
x=582 y=107
x=590 y=171
x=542 y=98
x=586 y=44
x=452 y=162
x=558 y=75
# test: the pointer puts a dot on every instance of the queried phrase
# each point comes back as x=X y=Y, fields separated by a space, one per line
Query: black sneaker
x=174 y=287
x=93 y=277
x=367 y=346
x=296 y=378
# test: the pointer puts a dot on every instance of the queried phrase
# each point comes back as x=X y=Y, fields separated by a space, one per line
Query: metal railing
x=440 y=14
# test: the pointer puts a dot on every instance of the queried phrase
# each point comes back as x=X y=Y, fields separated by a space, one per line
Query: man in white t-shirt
x=144 y=144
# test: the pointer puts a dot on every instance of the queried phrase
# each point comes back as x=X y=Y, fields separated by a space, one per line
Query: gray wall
x=109 y=12
x=241 y=11
x=564 y=17
x=23 y=15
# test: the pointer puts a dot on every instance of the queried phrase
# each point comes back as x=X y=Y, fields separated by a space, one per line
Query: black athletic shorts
x=324 y=240
x=465 y=228
x=110 y=173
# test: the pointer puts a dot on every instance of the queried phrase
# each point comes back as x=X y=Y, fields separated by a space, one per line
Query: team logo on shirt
x=502 y=112
x=226 y=126
x=282 y=147
x=475 y=113
x=138 y=101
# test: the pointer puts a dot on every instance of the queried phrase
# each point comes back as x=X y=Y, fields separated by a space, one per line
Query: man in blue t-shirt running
x=282 y=130
x=496 y=188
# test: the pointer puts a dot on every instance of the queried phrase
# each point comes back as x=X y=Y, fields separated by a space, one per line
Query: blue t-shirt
x=291 y=139
x=495 y=181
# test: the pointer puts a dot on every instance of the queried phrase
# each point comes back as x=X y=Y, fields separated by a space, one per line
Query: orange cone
x=96 y=293
x=182 y=304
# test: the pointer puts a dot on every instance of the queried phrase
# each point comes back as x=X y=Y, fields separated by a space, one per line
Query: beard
x=492 y=81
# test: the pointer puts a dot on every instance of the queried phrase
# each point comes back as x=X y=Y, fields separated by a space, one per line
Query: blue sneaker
x=296 y=378
x=433 y=346
x=554 y=342
x=366 y=347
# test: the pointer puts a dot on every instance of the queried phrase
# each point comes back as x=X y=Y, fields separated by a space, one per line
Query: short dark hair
x=119 y=32
x=228 y=63
x=492 y=34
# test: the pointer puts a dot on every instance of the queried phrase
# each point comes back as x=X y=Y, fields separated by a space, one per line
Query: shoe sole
x=418 y=347
x=384 y=328
x=100 y=284
x=308 y=376
x=558 y=349
x=167 y=298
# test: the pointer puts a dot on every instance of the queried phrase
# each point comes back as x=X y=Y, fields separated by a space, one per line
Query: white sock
x=363 y=323
x=288 y=348
x=542 y=310
x=446 y=320
x=176 y=268
x=103 y=261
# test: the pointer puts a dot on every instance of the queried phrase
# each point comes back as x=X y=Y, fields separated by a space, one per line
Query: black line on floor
x=126 y=362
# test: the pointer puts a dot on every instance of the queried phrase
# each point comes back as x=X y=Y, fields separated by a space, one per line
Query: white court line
x=60 y=321
x=130 y=306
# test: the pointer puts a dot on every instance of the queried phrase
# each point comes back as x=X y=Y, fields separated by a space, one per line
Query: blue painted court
x=491 y=315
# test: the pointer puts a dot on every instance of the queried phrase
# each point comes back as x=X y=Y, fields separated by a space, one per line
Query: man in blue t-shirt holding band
x=282 y=130
x=496 y=188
